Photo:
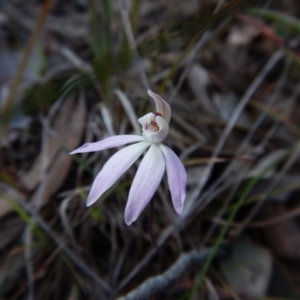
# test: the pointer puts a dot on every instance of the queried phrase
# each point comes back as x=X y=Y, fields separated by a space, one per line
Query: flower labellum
x=157 y=159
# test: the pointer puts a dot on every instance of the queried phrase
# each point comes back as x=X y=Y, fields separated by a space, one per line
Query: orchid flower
x=155 y=127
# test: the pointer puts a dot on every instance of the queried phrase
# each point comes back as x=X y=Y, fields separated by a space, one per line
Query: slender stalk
x=24 y=61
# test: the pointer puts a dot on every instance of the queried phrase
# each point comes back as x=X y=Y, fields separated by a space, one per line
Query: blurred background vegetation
x=77 y=71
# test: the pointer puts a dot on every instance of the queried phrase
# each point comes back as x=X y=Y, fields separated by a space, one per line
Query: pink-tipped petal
x=176 y=178
x=114 y=168
x=145 y=183
x=110 y=142
x=161 y=106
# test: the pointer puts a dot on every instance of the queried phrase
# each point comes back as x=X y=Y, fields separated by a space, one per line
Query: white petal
x=114 y=168
x=145 y=183
x=146 y=119
x=161 y=106
x=110 y=142
x=159 y=136
x=176 y=178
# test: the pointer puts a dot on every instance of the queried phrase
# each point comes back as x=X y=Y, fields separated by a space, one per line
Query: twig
x=18 y=78
x=230 y=125
x=28 y=259
x=158 y=284
x=202 y=41
x=127 y=105
x=269 y=222
x=152 y=204
x=200 y=44
x=272 y=99
x=161 y=240
x=72 y=256
x=7 y=115
x=132 y=43
x=286 y=167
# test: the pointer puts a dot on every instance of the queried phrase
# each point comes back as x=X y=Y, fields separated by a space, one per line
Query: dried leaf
x=249 y=269
x=241 y=36
x=9 y=64
x=286 y=185
x=199 y=81
x=52 y=165
x=226 y=104
x=266 y=161
x=7 y=194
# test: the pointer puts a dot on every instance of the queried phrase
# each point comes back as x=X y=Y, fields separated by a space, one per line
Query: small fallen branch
x=157 y=284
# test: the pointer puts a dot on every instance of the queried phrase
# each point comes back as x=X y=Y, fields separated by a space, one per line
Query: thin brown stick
x=284 y=170
x=272 y=221
x=24 y=61
x=158 y=284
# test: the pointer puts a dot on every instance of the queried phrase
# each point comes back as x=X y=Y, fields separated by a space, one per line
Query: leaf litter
x=231 y=75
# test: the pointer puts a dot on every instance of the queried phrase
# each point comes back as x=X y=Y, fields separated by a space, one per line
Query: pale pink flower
x=158 y=157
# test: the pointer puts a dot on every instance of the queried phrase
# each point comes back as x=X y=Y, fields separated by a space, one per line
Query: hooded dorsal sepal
x=162 y=106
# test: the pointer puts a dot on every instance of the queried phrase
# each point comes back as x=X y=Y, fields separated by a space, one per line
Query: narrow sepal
x=176 y=178
x=145 y=183
x=161 y=106
x=110 y=142
x=114 y=168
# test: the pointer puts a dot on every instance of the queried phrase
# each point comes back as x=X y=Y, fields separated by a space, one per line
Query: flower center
x=153 y=125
